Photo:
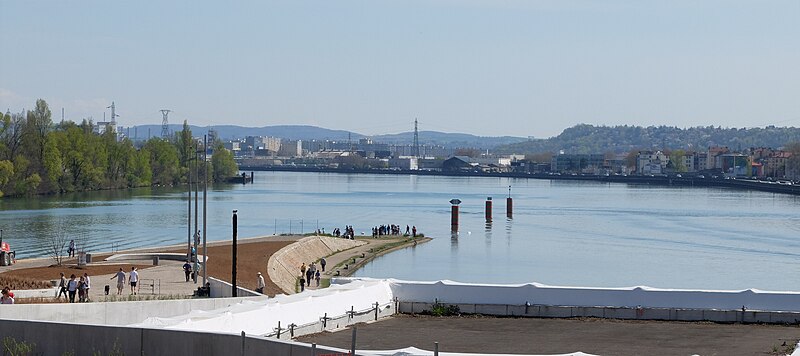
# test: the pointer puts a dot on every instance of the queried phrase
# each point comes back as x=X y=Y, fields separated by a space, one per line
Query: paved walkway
x=168 y=278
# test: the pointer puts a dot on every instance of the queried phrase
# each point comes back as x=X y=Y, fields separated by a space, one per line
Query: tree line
x=588 y=139
x=38 y=156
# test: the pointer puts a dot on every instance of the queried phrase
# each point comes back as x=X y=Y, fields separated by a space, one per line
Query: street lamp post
x=205 y=196
x=233 y=256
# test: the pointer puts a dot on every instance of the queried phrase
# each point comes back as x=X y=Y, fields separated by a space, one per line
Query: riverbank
x=679 y=181
x=168 y=277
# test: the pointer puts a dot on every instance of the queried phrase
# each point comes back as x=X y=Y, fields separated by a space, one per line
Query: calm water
x=562 y=233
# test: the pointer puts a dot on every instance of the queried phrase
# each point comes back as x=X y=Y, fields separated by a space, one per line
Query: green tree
x=163 y=161
x=223 y=165
x=676 y=159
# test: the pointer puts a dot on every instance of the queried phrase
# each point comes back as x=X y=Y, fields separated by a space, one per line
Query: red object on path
x=4 y=247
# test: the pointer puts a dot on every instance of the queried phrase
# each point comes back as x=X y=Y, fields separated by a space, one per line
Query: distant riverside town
x=365 y=154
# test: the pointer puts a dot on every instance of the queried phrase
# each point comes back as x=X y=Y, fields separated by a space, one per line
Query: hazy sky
x=494 y=67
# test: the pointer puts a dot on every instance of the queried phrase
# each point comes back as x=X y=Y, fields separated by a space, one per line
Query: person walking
x=187 y=270
x=62 y=287
x=302 y=282
x=120 y=276
x=322 y=263
x=72 y=288
x=133 y=279
x=87 y=286
x=303 y=269
x=309 y=276
x=260 y=284
x=82 y=290
x=316 y=277
x=71 y=249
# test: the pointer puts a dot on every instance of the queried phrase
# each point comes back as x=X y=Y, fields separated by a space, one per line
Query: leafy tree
x=163 y=161
x=223 y=165
x=676 y=159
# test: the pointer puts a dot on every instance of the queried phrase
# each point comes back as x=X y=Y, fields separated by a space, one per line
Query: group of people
x=7 y=297
x=348 y=232
x=133 y=280
x=391 y=229
x=74 y=286
x=310 y=272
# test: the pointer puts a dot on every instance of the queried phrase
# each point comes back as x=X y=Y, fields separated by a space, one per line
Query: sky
x=489 y=68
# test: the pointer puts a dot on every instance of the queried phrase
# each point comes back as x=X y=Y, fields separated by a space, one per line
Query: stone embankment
x=283 y=266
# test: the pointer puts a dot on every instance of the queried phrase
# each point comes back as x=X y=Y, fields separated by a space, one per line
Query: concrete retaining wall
x=284 y=266
x=222 y=289
x=631 y=297
x=668 y=314
x=57 y=339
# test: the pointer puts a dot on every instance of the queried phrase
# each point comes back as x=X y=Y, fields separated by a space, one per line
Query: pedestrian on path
x=120 y=276
x=309 y=276
x=133 y=279
x=316 y=277
x=62 y=287
x=260 y=284
x=302 y=283
x=187 y=270
x=322 y=263
x=87 y=286
x=72 y=288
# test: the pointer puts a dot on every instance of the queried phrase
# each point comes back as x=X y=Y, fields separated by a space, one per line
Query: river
x=562 y=232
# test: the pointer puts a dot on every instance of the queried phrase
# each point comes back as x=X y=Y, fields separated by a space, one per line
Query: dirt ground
x=552 y=336
x=253 y=257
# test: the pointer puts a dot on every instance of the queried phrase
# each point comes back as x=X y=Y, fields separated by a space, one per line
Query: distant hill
x=229 y=132
x=304 y=132
x=454 y=140
x=619 y=139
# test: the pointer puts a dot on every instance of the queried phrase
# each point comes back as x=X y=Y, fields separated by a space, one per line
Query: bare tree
x=56 y=243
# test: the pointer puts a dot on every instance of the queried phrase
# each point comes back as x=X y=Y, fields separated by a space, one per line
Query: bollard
x=488 y=209
x=509 y=207
x=313 y=349
x=353 y=343
x=243 y=338
x=436 y=348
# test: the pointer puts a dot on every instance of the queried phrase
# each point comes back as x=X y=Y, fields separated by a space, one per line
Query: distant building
x=103 y=126
x=649 y=162
x=586 y=163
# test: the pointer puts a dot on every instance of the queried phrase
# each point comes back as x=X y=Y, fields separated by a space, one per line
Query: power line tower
x=165 y=123
x=114 y=115
x=416 y=138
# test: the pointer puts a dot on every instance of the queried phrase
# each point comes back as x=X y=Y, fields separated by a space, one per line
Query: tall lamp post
x=233 y=258
x=205 y=196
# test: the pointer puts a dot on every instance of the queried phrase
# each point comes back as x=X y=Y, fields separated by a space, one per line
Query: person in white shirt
x=134 y=280
x=261 y=284
x=87 y=286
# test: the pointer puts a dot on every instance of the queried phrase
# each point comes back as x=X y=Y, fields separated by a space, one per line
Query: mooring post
x=488 y=209
x=454 y=214
x=509 y=204
x=436 y=348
